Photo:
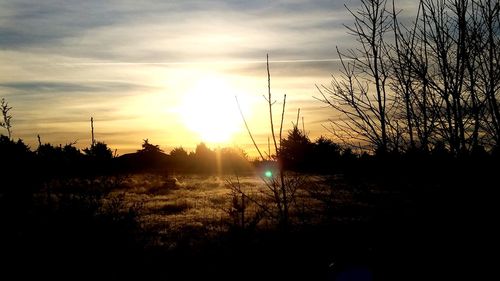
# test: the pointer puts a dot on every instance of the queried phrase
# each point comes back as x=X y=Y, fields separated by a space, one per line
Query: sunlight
x=209 y=109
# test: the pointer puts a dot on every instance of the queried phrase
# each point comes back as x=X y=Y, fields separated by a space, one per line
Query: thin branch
x=248 y=129
x=282 y=118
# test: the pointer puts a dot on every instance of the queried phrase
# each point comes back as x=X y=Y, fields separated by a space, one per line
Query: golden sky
x=168 y=71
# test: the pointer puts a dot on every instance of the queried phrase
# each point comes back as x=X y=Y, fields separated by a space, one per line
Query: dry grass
x=199 y=204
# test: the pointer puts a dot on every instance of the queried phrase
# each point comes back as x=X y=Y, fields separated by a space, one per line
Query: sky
x=167 y=71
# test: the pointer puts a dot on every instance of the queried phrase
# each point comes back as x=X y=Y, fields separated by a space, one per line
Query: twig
x=248 y=129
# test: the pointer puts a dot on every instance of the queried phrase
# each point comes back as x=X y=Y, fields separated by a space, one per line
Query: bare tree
x=437 y=83
x=280 y=189
x=460 y=70
x=489 y=64
x=4 y=106
x=361 y=95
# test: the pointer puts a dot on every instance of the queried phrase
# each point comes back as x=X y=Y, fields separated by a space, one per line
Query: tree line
x=98 y=159
x=297 y=153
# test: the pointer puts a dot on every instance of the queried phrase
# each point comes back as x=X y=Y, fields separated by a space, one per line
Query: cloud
x=66 y=87
x=155 y=30
x=148 y=31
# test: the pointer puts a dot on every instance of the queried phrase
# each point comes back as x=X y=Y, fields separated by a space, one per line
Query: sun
x=209 y=109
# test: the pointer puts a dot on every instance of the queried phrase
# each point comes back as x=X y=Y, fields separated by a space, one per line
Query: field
x=197 y=221
x=195 y=217
x=337 y=225
x=192 y=226
x=171 y=205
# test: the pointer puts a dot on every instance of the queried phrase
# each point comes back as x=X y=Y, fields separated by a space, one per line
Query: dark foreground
x=375 y=225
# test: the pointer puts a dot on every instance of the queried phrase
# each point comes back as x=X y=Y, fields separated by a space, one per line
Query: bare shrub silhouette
x=281 y=188
x=5 y=108
x=246 y=209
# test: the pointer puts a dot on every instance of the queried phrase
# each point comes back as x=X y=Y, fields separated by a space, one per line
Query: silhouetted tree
x=325 y=155
x=361 y=95
x=180 y=159
x=179 y=152
x=99 y=158
x=11 y=148
x=450 y=60
x=280 y=189
x=233 y=160
x=60 y=160
x=149 y=148
x=16 y=164
x=435 y=81
x=205 y=158
x=5 y=108
x=296 y=150
x=488 y=27
x=149 y=159
x=99 y=151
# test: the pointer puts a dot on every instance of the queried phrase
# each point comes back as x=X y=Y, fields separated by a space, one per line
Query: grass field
x=186 y=227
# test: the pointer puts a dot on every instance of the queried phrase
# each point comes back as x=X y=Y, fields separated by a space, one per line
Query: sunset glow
x=165 y=70
x=209 y=110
